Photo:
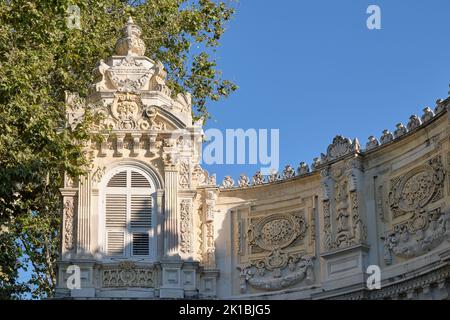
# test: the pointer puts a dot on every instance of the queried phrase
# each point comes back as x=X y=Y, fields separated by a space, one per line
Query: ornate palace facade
x=149 y=222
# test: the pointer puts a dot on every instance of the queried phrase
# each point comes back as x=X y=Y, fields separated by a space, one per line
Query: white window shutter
x=138 y=180
x=116 y=243
x=119 y=180
x=141 y=211
x=128 y=214
x=116 y=211
x=141 y=244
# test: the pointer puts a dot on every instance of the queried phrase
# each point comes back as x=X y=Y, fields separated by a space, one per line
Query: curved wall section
x=319 y=235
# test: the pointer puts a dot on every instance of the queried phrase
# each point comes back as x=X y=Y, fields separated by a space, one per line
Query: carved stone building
x=149 y=222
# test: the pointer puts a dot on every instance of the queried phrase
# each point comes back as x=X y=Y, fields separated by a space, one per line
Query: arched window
x=128 y=204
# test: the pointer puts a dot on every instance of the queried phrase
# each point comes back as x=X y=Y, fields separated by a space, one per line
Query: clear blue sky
x=312 y=69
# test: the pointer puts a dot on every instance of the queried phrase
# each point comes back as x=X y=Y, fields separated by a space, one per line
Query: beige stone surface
x=309 y=234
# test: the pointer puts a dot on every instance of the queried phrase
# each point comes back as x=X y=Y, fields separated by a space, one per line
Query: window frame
x=128 y=230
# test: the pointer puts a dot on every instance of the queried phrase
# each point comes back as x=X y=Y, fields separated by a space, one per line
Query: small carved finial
x=228 y=182
x=372 y=143
x=439 y=106
x=273 y=176
x=244 y=181
x=258 y=178
x=414 y=122
x=386 y=137
x=315 y=164
x=303 y=168
x=401 y=130
x=428 y=114
x=288 y=172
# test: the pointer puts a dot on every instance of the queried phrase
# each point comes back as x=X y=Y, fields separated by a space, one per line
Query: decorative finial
x=130 y=44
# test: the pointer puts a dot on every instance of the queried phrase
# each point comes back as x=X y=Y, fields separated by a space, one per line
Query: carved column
x=170 y=158
x=161 y=220
x=171 y=221
x=209 y=248
x=83 y=221
x=210 y=272
x=327 y=228
x=69 y=197
x=358 y=226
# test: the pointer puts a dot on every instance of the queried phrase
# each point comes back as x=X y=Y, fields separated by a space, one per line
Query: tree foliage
x=41 y=58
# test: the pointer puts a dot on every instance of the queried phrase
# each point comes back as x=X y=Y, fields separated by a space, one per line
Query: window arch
x=129 y=214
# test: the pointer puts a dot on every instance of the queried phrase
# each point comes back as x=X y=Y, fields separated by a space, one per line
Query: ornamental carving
x=184 y=174
x=186 y=226
x=68 y=224
x=414 y=122
x=303 y=168
x=125 y=110
x=244 y=181
x=258 y=178
x=288 y=172
x=275 y=257
x=372 y=143
x=208 y=252
x=340 y=147
x=343 y=224
x=400 y=130
x=276 y=231
x=128 y=274
x=417 y=188
x=130 y=44
x=228 y=182
x=418 y=235
x=386 y=137
x=285 y=269
x=202 y=177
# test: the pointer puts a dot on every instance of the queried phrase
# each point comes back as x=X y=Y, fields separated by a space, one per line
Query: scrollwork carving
x=68 y=224
x=186 y=226
x=127 y=274
x=418 y=235
x=277 y=231
x=340 y=147
x=285 y=269
x=417 y=188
